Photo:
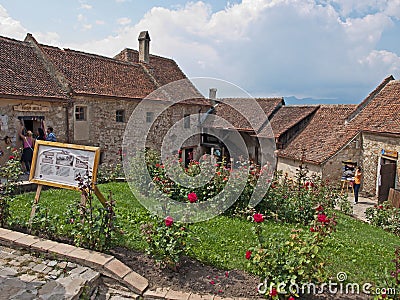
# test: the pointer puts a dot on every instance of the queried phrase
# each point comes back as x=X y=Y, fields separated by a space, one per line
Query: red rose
x=168 y=221
x=157 y=165
x=11 y=157
x=273 y=292
x=380 y=206
x=248 y=254
x=258 y=218
x=319 y=208
x=322 y=218
x=312 y=229
x=212 y=282
x=291 y=298
x=192 y=197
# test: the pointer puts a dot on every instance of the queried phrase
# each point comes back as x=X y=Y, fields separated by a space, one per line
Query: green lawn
x=361 y=251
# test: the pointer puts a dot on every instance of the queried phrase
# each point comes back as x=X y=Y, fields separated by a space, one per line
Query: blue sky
x=321 y=49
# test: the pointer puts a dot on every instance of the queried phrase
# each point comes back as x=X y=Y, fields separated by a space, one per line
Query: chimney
x=144 y=46
x=212 y=95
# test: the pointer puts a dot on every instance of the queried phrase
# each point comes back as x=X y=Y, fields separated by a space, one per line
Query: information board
x=58 y=164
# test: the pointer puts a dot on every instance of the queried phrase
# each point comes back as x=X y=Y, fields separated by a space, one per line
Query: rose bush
x=166 y=240
x=281 y=260
x=385 y=216
x=9 y=174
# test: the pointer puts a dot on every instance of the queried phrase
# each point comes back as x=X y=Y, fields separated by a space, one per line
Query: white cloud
x=86 y=6
x=10 y=27
x=124 y=21
x=100 y=22
x=268 y=47
x=381 y=61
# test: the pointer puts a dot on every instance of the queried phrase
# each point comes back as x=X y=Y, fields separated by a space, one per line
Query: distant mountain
x=292 y=100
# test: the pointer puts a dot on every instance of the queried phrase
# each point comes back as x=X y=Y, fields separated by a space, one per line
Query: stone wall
x=290 y=166
x=54 y=114
x=108 y=134
x=332 y=168
x=372 y=146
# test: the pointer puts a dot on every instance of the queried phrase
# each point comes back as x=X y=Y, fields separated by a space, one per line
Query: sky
x=321 y=51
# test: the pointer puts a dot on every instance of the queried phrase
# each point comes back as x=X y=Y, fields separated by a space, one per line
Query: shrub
x=93 y=227
x=166 y=240
x=385 y=216
x=293 y=200
x=9 y=173
x=281 y=260
x=109 y=172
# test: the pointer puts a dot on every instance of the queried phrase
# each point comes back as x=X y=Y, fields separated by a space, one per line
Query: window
x=186 y=121
x=149 y=117
x=80 y=113
x=120 y=115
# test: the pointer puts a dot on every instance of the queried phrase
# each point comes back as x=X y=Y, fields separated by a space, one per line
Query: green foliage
x=166 y=240
x=109 y=172
x=9 y=174
x=281 y=260
x=92 y=226
x=362 y=251
x=44 y=224
x=385 y=216
x=293 y=200
x=219 y=173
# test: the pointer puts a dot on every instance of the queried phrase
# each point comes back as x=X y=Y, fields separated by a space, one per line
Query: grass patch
x=363 y=252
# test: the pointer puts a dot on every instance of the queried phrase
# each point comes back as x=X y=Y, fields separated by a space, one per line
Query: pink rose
x=168 y=221
x=258 y=218
x=192 y=197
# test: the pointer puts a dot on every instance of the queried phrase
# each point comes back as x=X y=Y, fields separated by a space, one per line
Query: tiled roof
x=324 y=135
x=240 y=120
x=23 y=74
x=288 y=116
x=165 y=73
x=30 y=69
x=99 y=75
x=164 y=70
x=382 y=113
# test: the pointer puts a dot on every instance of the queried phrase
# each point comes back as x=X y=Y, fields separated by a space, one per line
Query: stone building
x=87 y=98
x=367 y=134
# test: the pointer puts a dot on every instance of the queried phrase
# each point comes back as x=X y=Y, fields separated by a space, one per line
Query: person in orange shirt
x=357 y=183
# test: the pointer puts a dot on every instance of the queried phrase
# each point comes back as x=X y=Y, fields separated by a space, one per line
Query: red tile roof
x=23 y=74
x=240 y=120
x=288 y=116
x=99 y=75
x=324 y=135
x=382 y=113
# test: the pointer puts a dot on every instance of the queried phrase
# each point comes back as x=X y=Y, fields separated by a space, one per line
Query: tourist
x=27 y=152
x=41 y=136
x=357 y=183
x=51 y=137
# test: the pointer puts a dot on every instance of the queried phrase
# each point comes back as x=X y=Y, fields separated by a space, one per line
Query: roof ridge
x=369 y=98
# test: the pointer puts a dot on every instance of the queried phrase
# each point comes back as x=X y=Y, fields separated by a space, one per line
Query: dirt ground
x=192 y=276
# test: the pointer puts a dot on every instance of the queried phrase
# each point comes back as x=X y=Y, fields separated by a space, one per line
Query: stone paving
x=361 y=206
x=35 y=268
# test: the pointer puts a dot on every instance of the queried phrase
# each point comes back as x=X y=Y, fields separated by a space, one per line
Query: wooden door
x=388 y=177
